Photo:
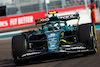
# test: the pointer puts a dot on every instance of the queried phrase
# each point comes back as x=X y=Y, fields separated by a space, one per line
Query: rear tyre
x=87 y=35
x=19 y=46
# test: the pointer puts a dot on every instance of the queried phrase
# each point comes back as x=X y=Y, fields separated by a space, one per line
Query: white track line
x=10 y=33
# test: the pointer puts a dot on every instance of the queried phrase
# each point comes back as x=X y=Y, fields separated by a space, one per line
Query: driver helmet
x=50 y=27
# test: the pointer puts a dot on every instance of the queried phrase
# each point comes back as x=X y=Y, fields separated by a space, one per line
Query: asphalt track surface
x=50 y=60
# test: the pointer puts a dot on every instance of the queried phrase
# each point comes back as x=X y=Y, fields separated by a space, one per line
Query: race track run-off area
x=51 y=60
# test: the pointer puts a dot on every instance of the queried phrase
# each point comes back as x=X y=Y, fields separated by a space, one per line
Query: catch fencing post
x=18 y=7
x=85 y=3
x=46 y=6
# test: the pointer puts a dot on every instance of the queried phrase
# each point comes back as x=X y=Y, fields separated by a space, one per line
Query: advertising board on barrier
x=17 y=21
x=26 y=19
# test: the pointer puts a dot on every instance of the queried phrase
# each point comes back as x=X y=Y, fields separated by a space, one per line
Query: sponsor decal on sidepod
x=29 y=54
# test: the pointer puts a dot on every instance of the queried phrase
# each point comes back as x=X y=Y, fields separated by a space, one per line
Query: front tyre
x=19 y=46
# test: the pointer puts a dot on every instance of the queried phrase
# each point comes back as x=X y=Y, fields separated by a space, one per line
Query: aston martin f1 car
x=55 y=36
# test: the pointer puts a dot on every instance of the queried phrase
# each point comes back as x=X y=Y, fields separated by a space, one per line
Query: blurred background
x=18 y=7
x=12 y=10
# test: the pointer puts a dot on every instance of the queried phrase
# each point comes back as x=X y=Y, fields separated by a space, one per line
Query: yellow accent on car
x=66 y=41
x=52 y=12
x=25 y=45
x=75 y=25
x=62 y=34
x=95 y=48
x=78 y=17
x=63 y=40
x=43 y=47
x=95 y=33
x=92 y=30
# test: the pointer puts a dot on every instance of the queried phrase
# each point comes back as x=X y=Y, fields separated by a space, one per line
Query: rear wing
x=59 y=18
x=69 y=17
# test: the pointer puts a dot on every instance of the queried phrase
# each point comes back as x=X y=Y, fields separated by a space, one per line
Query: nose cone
x=52 y=40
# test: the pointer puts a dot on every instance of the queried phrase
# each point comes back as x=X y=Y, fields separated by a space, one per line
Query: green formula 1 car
x=54 y=36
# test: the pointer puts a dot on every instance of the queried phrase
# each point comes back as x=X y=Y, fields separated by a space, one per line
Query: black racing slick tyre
x=87 y=35
x=19 y=46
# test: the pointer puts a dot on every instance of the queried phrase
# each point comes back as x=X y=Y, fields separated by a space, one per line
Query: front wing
x=69 y=49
